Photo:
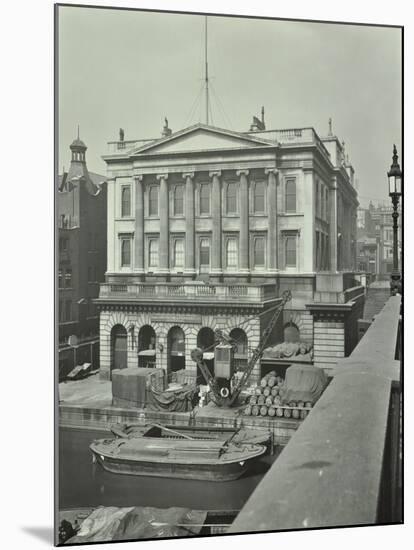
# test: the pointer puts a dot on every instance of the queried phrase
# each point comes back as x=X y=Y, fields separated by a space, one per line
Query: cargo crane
x=222 y=393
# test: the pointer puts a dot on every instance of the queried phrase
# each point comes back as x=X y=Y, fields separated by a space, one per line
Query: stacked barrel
x=268 y=400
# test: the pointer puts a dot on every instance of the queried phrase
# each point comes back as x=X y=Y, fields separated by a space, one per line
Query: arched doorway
x=119 y=351
x=176 y=349
x=146 y=347
x=239 y=339
x=291 y=333
x=205 y=341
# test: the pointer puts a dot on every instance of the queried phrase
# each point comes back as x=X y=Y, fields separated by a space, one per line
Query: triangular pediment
x=200 y=138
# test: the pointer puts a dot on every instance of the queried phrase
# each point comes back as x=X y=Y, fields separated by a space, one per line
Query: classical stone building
x=82 y=215
x=206 y=228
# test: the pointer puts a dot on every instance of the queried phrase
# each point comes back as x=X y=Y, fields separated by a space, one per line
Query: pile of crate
x=268 y=400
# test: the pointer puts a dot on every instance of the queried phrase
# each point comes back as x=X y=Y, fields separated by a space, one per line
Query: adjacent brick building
x=82 y=228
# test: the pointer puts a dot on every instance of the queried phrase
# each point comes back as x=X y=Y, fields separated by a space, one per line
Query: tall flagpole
x=206 y=71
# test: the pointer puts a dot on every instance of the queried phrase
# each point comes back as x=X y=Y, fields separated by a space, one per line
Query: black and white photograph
x=227 y=270
x=226 y=276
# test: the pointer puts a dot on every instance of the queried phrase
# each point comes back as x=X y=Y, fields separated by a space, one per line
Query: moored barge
x=207 y=460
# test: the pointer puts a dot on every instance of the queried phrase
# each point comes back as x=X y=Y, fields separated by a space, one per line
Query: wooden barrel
x=295 y=413
x=255 y=410
x=287 y=413
x=277 y=400
x=261 y=400
x=269 y=401
x=253 y=400
x=258 y=391
x=309 y=404
x=266 y=391
x=248 y=410
x=271 y=382
x=271 y=411
x=279 y=411
x=275 y=391
x=292 y=404
x=263 y=410
x=263 y=382
x=303 y=414
x=301 y=404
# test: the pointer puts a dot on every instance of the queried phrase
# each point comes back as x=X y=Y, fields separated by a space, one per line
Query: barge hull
x=211 y=472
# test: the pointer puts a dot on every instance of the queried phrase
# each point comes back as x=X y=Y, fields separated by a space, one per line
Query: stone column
x=333 y=226
x=189 y=224
x=308 y=244
x=273 y=263
x=164 y=224
x=216 y=268
x=244 y=222
x=139 y=226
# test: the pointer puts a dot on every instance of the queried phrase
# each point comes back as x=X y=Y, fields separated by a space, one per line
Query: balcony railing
x=343 y=465
x=189 y=291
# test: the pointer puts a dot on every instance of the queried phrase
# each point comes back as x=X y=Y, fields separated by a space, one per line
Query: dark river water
x=83 y=484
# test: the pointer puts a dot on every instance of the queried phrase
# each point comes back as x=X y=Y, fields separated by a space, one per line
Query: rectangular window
x=205 y=198
x=68 y=310
x=259 y=197
x=231 y=198
x=179 y=253
x=125 y=252
x=153 y=201
x=290 y=251
x=231 y=253
x=126 y=201
x=259 y=252
x=60 y=279
x=204 y=252
x=290 y=195
x=63 y=244
x=153 y=253
x=68 y=277
x=179 y=200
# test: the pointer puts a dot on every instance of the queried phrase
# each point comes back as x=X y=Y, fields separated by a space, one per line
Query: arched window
x=119 y=355
x=126 y=201
x=205 y=198
x=153 y=253
x=231 y=198
x=179 y=253
x=179 y=200
x=205 y=339
x=146 y=338
x=259 y=258
x=153 y=201
x=125 y=252
x=259 y=197
x=240 y=341
x=290 y=195
x=176 y=339
x=231 y=252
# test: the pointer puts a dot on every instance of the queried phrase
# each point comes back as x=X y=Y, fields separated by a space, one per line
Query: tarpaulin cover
x=112 y=524
x=178 y=400
x=303 y=383
x=129 y=386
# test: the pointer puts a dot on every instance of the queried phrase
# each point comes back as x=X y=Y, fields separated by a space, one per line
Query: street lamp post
x=395 y=190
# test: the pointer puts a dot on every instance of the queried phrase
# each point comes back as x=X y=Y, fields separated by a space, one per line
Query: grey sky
x=129 y=69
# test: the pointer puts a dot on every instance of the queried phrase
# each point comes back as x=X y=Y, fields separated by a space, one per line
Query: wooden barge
x=207 y=460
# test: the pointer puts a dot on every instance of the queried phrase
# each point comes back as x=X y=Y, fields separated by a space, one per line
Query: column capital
x=161 y=177
x=138 y=177
x=213 y=173
x=243 y=172
x=188 y=175
x=274 y=171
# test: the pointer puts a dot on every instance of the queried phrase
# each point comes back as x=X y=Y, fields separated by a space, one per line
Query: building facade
x=82 y=229
x=206 y=228
x=375 y=240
